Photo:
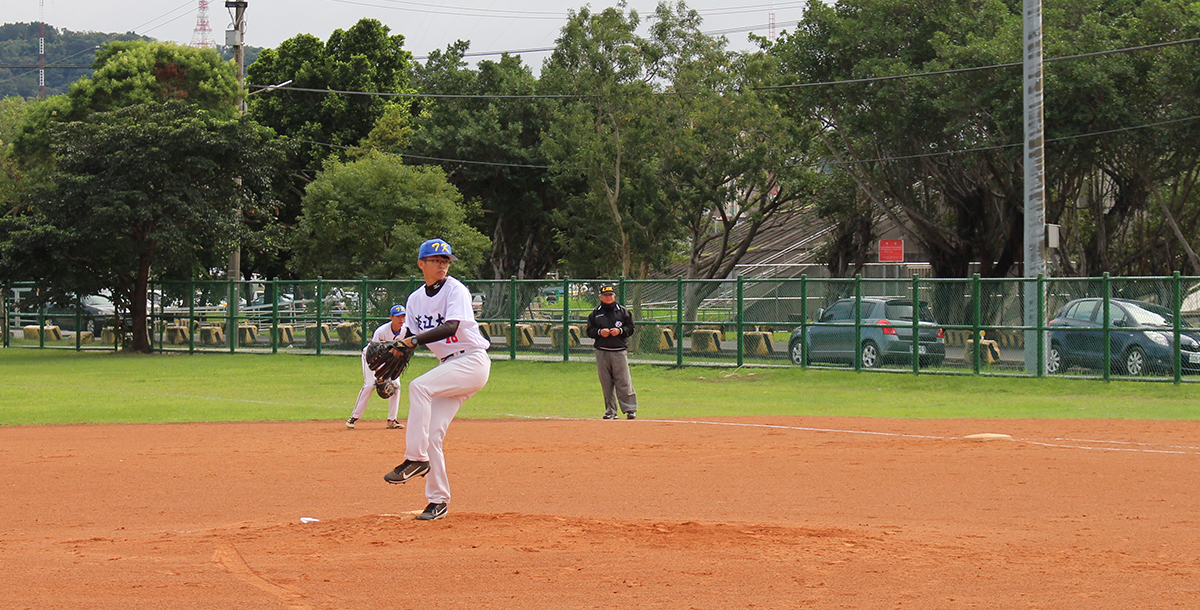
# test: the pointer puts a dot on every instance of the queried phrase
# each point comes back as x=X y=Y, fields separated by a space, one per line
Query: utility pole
x=236 y=38
x=42 y=50
x=1035 y=180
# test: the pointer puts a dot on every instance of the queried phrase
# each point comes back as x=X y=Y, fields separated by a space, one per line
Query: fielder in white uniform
x=389 y=331
x=439 y=317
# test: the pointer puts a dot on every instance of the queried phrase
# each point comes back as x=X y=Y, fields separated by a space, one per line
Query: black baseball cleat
x=631 y=416
x=350 y=422
x=433 y=511
x=609 y=416
x=406 y=471
x=394 y=425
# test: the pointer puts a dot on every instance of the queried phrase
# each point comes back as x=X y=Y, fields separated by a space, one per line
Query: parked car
x=886 y=334
x=1141 y=337
x=96 y=312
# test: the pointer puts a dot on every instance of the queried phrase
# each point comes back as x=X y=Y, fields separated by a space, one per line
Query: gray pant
x=616 y=382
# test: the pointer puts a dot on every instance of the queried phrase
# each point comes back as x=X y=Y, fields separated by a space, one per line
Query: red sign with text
x=891 y=250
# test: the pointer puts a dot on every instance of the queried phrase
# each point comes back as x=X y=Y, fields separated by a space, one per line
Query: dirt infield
x=732 y=513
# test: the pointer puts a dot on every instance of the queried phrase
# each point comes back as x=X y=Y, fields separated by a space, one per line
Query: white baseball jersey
x=385 y=333
x=452 y=302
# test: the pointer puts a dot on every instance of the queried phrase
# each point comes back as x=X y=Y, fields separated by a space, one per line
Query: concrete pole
x=1035 y=177
x=237 y=39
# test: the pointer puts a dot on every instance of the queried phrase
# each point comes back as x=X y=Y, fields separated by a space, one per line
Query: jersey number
x=452 y=339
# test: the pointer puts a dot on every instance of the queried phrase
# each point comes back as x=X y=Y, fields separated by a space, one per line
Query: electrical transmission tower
x=202 y=35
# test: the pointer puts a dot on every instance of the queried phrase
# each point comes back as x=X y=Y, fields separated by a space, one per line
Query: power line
x=408 y=156
x=977 y=68
x=1018 y=144
x=547 y=49
x=51 y=64
x=857 y=161
x=415 y=95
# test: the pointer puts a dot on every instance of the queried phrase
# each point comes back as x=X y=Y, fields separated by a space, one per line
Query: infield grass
x=39 y=387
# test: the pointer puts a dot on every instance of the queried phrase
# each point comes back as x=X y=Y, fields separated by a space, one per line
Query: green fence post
x=191 y=319
x=1041 y=325
x=362 y=309
x=512 y=319
x=1177 y=311
x=916 y=324
x=1106 y=366
x=803 y=321
x=42 y=323
x=79 y=328
x=4 y=318
x=230 y=313
x=275 y=315
x=150 y=321
x=679 y=320
x=976 y=315
x=857 y=322
x=566 y=313
x=320 y=327
x=741 y=320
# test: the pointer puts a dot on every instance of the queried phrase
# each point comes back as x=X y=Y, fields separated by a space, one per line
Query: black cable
x=388 y=94
x=977 y=68
x=408 y=156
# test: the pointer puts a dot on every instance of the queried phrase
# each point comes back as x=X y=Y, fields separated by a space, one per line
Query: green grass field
x=39 y=387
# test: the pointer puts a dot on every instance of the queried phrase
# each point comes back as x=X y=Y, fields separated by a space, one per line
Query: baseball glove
x=388 y=359
x=385 y=389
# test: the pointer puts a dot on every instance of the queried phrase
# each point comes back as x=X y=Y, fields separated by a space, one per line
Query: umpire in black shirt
x=611 y=325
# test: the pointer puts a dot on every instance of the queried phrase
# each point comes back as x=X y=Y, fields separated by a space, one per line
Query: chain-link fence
x=1093 y=327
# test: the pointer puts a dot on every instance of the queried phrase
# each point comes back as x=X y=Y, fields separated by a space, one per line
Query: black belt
x=454 y=354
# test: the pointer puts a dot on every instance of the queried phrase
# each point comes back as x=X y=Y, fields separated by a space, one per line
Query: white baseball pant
x=433 y=400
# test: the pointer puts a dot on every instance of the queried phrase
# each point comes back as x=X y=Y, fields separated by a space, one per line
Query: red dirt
x=765 y=513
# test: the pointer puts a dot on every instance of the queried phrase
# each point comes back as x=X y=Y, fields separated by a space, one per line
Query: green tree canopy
x=128 y=73
x=366 y=58
x=500 y=142
x=138 y=72
x=325 y=125
x=368 y=217
x=138 y=192
x=620 y=223
x=941 y=155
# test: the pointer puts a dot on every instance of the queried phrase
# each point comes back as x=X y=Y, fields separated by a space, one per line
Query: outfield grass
x=65 y=387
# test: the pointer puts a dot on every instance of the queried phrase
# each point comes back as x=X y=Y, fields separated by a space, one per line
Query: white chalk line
x=1131 y=448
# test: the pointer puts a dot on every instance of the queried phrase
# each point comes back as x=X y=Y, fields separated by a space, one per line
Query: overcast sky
x=490 y=25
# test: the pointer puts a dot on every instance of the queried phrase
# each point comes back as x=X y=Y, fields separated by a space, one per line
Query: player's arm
x=444 y=330
x=629 y=326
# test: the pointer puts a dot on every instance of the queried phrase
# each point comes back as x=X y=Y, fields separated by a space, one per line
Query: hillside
x=69 y=57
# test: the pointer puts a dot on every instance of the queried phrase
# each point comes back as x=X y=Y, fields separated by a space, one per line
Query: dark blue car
x=1141 y=338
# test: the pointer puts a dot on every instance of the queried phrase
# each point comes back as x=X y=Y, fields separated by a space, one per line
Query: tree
x=368 y=217
x=366 y=58
x=126 y=73
x=1126 y=197
x=63 y=47
x=12 y=115
x=941 y=155
x=959 y=207
x=735 y=164
x=139 y=72
x=501 y=139
x=140 y=192
x=620 y=223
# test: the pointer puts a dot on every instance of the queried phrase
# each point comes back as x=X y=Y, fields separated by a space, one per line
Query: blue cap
x=435 y=247
x=397 y=310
